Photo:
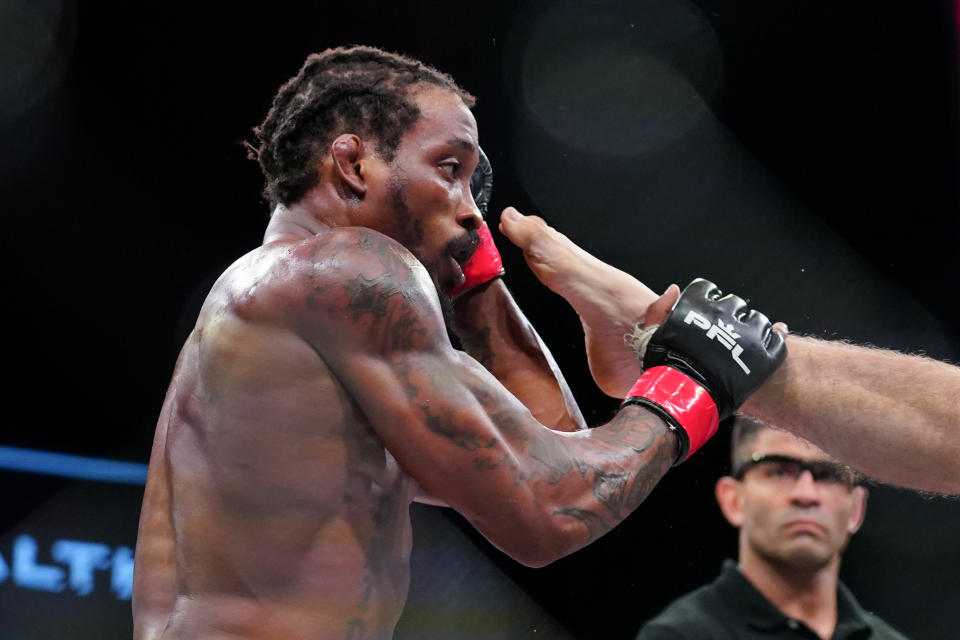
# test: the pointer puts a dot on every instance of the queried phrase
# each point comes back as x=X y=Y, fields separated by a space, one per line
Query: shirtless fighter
x=319 y=393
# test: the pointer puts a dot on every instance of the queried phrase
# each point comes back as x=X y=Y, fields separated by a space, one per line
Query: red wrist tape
x=682 y=399
x=483 y=266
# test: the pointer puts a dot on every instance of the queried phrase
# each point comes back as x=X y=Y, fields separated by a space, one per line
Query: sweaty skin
x=288 y=513
x=319 y=394
x=892 y=416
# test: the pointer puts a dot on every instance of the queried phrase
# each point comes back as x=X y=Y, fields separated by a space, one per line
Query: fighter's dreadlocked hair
x=360 y=90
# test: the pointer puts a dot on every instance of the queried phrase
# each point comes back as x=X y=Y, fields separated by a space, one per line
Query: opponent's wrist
x=483 y=266
x=683 y=403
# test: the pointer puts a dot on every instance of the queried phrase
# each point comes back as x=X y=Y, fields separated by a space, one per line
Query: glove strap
x=483 y=266
x=685 y=406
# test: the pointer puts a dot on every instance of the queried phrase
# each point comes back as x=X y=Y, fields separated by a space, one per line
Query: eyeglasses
x=780 y=467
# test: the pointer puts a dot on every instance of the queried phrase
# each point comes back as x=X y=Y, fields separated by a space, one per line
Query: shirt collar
x=760 y=613
x=850 y=615
x=754 y=608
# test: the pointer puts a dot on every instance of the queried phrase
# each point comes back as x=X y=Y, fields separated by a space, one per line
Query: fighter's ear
x=346 y=151
x=730 y=498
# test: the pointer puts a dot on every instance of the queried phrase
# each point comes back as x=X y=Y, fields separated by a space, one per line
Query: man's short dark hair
x=361 y=90
x=744 y=432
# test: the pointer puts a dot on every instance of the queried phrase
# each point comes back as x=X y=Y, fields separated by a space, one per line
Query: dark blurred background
x=801 y=154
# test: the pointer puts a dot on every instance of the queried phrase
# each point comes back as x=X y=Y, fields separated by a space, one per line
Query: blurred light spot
x=36 y=41
x=618 y=80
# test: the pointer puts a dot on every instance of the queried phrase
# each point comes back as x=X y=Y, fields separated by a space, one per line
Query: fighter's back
x=289 y=517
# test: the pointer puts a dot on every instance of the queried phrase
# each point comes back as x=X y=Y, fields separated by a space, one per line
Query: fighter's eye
x=450 y=167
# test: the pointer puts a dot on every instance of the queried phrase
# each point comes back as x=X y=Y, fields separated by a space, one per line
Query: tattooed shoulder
x=372 y=283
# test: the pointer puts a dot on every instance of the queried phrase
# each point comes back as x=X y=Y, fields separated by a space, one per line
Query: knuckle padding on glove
x=715 y=343
x=704 y=339
x=481 y=183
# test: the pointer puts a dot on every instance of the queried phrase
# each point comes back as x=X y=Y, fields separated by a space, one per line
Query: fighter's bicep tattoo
x=384 y=300
x=445 y=405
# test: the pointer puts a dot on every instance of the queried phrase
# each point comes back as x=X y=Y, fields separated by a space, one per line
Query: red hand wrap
x=483 y=266
x=683 y=399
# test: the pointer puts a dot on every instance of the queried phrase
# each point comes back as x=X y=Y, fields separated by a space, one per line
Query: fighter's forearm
x=569 y=489
x=627 y=457
x=893 y=416
x=494 y=330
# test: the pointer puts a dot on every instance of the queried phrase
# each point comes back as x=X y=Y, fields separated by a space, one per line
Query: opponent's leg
x=610 y=302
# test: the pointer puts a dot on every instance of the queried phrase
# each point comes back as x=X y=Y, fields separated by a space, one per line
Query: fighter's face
x=428 y=206
x=793 y=521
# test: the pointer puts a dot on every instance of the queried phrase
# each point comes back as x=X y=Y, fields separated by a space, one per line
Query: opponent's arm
x=892 y=416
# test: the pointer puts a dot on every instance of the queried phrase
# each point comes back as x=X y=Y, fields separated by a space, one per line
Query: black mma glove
x=704 y=361
x=485 y=264
x=481 y=183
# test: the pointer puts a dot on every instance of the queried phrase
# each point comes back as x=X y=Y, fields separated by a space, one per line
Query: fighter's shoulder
x=346 y=250
x=338 y=269
x=353 y=256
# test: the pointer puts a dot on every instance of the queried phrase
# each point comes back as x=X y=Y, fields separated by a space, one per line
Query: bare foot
x=610 y=302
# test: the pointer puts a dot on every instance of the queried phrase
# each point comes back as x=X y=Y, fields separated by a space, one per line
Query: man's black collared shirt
x=730 y=608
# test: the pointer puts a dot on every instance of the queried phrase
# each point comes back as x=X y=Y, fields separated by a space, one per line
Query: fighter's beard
x=446 y=307
x=410 y=235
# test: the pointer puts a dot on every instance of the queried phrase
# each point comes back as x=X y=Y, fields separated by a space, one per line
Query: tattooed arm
x=535 y=493
x=494 y=330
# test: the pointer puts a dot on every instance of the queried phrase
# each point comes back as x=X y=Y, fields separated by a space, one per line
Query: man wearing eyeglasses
x=796 y=510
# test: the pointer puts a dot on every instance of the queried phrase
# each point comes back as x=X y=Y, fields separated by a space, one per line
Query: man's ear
x=858 y=508
x=347 y=154
x=730 y=498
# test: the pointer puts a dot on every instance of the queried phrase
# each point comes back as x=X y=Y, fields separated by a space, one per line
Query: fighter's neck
x=808 y=596
x=294 y=222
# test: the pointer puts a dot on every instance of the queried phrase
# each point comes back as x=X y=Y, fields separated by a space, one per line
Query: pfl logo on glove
x=692 y=385
x=722 y=333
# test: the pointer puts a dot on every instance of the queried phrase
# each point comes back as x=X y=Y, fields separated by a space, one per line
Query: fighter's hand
x=609 y=302
x=704 y=360
x=482 y=266
x=485 y=263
